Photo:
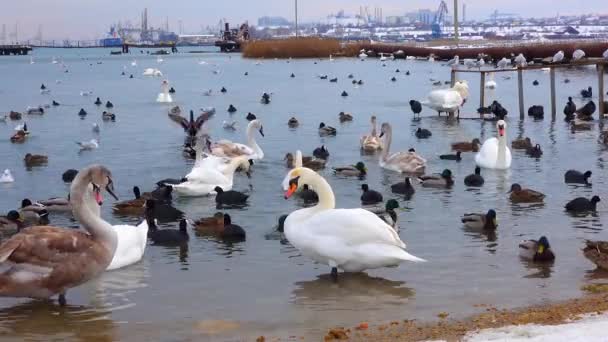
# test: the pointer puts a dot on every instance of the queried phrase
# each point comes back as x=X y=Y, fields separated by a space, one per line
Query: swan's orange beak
x=292 y=188
x=98 y=197
x=501 y=131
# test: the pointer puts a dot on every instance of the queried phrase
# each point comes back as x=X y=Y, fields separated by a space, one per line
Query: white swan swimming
x=448 y=100
x=352 y=240
x=159 y=60
x=152 y=72
x=371 y=142
x=164 y=96
x=494 y=153
x=134 y=63
x=408 y=162
x=226 y=148
x=7 y=177
x=202 y=181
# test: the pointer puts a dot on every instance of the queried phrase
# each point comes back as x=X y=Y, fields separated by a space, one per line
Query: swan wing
x=444 y=99
x=131 y=245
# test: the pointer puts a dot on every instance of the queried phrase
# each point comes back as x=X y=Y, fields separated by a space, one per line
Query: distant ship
x=112 y=39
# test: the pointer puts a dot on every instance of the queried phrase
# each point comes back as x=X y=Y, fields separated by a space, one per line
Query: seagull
x=578 y=54
x=86 y=93
x=134 y=63
x=605 y=54
x=470 y=63
x=88 y=145
x=503 y=63
x=520 y=60
x=454 y=61
x=559 y=57
x=95 y=128
x=229 y=125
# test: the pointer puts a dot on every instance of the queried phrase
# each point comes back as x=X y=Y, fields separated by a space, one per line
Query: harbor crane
x=439 y=20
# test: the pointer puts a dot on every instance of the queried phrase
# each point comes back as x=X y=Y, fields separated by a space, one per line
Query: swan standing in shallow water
x=164 y=96
x=371 y=142
x=44 y=261
x=494 y=153
x=353 y=240
x=229 y=149
x=448 y=100
x=408 y=162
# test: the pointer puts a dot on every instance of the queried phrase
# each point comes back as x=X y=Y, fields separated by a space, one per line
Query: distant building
x=425 y=16
x=273 y=21
x=397 y=20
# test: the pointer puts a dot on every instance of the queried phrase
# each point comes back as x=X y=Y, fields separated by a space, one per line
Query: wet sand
x=454 y=330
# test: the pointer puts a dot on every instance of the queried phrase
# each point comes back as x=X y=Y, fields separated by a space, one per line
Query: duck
x=360 y=239
x=581 y=204
x=393 y=79
x=387 y=214
x=172 y=90
x=34 y=110
x=587 y=93
x=465 y=146
x=577 y=177
x=597 y=251
x=209 y=225
x=371 y=142
x=444 y=180
x=360 y=82
x=416 y=107
x=132 y=240
x=321 y=152
x=11 y=223
x=35 y=160
x=98 y=102
x=522 y=195
x=227 y=148
x=404 y=188
x=326 y=130
x=423 y=133
x=570 y=109
x=585 y=113
x=33 y=214
x=165 y=93
x=456 y=157
x=109 y=105
x=69 y=175
x=344 y=117
x=169 y=237
x=309 y=162
x=521 y=144
x=370 y=197
x=250 y=117
x=293 y=122
x=357 y=170
x=135 y=206
x=494 y=153
x=292 y=75
x=43 y=248
x=107 y=116
x=534 y=152
x=448 y=100
x=535 y=83
x=333 y=80
x=407 y=162
x=344 y=94
x=223 y=90
x=55 y=103
x=485 y=222
x=307 y=195
x=537 y=112
x=230 y=197
x=475 y=179
x=14 y=115
x=536 y=250
x=57 y=205
x=265 y=98
x=82 y=112
x=231 y=109
x=578 y=125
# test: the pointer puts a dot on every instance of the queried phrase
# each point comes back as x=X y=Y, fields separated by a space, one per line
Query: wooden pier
x=600 y=64
x=7 y=50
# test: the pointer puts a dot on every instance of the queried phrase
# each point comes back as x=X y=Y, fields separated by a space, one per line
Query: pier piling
x=553 y=106
x=520 y=91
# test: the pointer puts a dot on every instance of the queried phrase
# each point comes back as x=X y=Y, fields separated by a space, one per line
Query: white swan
x=202 y=181
x=134 y=63
x=408 y=162
x=152 y=72
x=448 y=100
x=491 y=84
x=352 y=240
x=7 y=177
x=164 y=96
x=226 y=148
x=494 y=153
x=371 y=142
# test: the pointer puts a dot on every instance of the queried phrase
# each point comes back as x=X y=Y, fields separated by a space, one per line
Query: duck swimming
x=98 y=102
x=475 y=179
x=169 y=237
x=521 y=195
x=10 y=224
x=321 y=152
x=387 y=214
x=581 y=204
x=293 y=122
x=360 y=239
x=44 y=261
x=309 y=162
x=577 y=177
x=230 y=197
x=404 y=188
x=370 y=197
x=444 y=180
x=521 y=144
x=35 y=160
x=494 y=153
x=536 y=250
x=357 y=170
x=345 y=117
x=456 y=157
x=486 y=222
x=326 y=130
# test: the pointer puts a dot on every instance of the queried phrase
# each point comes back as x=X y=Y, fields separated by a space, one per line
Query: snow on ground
x=588 y=329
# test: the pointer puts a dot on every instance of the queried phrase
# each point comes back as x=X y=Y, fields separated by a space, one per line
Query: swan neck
x=502 y=149
x=90 y=220
x=251 y=140
x=388 y=138
x=374 y=129
x=327 y=200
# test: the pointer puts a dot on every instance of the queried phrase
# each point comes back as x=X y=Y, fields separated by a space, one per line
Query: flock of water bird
x=44 y=261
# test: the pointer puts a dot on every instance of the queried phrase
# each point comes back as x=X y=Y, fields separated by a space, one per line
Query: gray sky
x=87 y=19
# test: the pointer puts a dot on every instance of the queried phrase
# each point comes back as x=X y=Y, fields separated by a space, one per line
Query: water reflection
x=350 y=291
x=539 y=270
x=40 y=320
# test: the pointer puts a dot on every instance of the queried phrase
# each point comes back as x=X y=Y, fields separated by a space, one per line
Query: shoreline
x=445 y=329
